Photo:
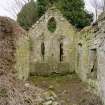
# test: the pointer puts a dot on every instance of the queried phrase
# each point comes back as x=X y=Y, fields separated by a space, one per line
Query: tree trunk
x=96 y=13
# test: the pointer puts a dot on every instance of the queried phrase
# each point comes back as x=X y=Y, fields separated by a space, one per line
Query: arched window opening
x=43 y=50
x=79 y=55
x=52 y=25
x=61 y=52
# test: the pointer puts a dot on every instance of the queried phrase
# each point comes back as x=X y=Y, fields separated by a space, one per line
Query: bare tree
x=103 y=4
x=95 y=5
x=14 y=7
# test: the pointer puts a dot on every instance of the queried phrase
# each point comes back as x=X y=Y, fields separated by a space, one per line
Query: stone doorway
x=93 y=63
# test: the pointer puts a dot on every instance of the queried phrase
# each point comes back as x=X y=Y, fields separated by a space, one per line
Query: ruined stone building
x=53 y=51
x=61 y=50
x=64 y=50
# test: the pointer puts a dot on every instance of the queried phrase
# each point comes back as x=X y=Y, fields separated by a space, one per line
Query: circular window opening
x=52 y=25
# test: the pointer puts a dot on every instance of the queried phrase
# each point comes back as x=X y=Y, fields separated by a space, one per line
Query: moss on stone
x=49 y=69
x=22 y=58
x=3 y=92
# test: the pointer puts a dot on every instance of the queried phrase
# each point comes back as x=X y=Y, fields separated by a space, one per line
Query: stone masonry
x=43 y=52
x=90 y=64
x=59 y=46
x=14 y=49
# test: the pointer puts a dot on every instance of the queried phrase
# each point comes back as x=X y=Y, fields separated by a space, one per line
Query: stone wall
x=7 y=46
x=14 y=50
x=64 y=34
x=22 y=57
x=84 y=38
x=101 y=57
x=91 y=56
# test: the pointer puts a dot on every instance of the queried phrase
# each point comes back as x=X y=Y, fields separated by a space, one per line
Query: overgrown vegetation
x=73 y=11
x=28 y=15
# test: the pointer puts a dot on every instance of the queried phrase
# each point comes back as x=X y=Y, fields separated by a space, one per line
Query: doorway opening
x=93 y=64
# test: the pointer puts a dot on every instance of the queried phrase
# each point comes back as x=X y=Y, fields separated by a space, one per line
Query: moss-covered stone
x=3 y=92
x=46 y=69
x=22 y=58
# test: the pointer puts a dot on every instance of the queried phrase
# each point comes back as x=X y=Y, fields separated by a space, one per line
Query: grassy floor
x=69 y=89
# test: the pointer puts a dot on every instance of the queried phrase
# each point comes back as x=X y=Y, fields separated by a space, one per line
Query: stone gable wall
x=39 y=33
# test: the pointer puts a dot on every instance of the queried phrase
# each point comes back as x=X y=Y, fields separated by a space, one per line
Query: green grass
x=54 y=82
x=54 y=77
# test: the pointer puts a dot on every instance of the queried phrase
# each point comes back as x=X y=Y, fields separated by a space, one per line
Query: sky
x=8 y=8
x=90 y=6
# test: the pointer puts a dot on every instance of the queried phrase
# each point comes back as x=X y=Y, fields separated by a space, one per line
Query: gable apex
x=52 y=12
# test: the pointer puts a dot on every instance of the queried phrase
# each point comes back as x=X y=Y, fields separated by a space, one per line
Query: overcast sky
x=7 y=8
